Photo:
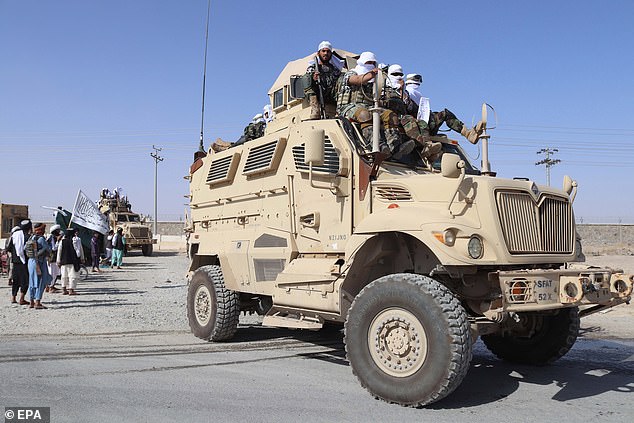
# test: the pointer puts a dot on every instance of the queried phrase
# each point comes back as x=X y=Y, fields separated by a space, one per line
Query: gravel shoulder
x=149 y=295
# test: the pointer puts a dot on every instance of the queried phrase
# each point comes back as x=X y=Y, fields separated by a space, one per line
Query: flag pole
x=72 y=214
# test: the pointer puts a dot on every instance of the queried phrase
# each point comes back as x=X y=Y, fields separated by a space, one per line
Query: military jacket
x=353 y=94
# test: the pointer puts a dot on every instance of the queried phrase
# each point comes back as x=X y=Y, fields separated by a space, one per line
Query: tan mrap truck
x=416 y=260
x=138 y=234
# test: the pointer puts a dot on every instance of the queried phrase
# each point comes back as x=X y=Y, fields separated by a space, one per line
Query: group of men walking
x=38 y=261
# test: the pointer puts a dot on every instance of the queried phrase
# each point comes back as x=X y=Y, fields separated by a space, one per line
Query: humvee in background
x=416 y=260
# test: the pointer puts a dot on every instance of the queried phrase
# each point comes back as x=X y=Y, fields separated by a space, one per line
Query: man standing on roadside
x=53 y=241
x=69 y=262
x=37 y=250
x=95 y=250
x=19 y=271
x=109 y=245
x=118 y=246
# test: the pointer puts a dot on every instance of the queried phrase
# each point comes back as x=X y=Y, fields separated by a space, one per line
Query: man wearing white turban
x=355 y=99
x=321 y=78
x=432 y=123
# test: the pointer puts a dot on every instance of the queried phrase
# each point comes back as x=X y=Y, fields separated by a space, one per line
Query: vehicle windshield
x=128 y=218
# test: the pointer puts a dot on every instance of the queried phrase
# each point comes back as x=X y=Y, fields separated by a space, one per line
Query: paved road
x=268 y=374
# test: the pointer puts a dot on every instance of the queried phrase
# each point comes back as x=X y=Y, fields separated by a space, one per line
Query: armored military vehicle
x=138 y=233
x=416 y=260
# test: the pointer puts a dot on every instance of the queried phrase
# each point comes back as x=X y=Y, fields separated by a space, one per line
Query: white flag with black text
x=87 y=214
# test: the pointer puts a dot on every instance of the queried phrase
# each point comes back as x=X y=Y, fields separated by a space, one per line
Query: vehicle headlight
x=475 y=247
x=450 y=237
x=447 y=237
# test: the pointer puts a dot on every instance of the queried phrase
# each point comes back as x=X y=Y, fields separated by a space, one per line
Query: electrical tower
x=157 y=159
x=548 y=162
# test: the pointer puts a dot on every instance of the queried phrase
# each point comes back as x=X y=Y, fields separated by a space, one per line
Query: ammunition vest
x=353 y=94
x=391 y=99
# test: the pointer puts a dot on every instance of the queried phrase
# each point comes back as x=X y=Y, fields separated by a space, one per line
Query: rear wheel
x=212 y=309
x=407 y=339
x=537 y=339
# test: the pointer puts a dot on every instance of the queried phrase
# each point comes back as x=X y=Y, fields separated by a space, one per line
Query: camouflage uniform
x=354 y=102
x=328 y=74
x=410 y=126
x=254 y=130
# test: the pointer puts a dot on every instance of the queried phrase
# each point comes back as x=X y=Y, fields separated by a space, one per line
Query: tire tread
x=459 y=332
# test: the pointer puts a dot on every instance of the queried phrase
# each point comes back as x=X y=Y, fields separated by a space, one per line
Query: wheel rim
x=397 y=342
x=202 y=305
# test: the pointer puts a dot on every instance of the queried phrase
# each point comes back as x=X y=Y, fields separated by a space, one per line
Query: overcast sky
x=88 y=87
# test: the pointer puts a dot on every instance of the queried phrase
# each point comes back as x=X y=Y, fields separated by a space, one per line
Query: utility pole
x=548 y=161
x=157 y=159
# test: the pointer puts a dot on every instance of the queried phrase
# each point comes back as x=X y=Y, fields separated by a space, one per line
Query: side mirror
x=451 y=165
x=314 y=151
x=568 y=184
x=570 y=187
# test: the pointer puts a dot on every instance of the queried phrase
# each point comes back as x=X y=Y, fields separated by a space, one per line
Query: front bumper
x=534 y=290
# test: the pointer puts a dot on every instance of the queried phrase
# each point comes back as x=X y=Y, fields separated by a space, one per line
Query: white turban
x=414 y=78
x=362 y=67
x=394 y=79
x=325 y=44
x=267 y=112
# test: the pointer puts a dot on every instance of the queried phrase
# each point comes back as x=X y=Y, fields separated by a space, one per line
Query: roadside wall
x=606 y=238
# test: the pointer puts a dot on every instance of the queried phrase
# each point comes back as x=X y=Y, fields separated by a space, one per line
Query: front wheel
x=407 y=339
x=147 y=250
x=212 y=309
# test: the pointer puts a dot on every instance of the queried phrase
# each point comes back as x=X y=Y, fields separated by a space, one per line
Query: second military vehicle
x=137 y=232
x=416 y=260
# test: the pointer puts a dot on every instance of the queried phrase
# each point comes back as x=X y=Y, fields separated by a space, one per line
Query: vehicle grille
x=529 y=227
x=331 y=158
x=392 y=192
x=139 y=232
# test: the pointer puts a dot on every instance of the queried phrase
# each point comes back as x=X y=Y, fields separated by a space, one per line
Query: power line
x=157 y=159
x=548 y=161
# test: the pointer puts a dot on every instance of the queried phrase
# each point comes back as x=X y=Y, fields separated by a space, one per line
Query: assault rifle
x=322 y=106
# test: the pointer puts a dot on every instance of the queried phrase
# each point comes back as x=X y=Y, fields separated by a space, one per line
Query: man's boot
x=367 y=139
x=315 y=110
x=404 y=149
x=431 y=149
x=472 y=134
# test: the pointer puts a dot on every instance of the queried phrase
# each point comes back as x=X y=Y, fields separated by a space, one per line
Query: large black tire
x=417 y=322
x=212 y=309
x=147 y=249
x=553 y=337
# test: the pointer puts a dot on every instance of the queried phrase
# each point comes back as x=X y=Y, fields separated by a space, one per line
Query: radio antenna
x=201 y=147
